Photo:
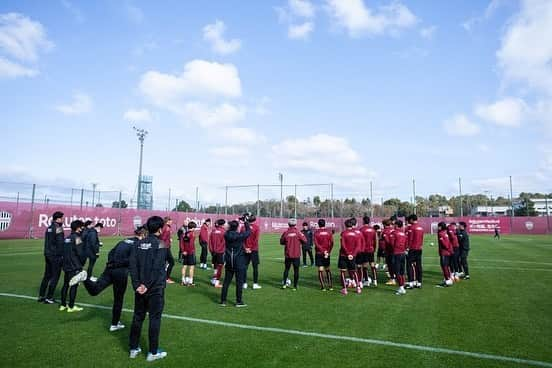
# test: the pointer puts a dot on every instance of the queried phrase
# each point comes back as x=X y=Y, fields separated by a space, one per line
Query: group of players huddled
x=234 y=245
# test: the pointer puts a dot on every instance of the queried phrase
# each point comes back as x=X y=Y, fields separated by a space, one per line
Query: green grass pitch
x=505 y=310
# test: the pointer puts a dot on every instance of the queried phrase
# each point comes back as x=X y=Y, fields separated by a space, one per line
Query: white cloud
x=301 y=8
x=9 y=69
x=506 y=112
x=460 y=125
x=200 y=78
x=299 y=17
x=81 y=104
x=301 y=31
x=21 y=42
x=359 y=20
x=428 y=32
x=320 y=153
x=214 y=33
x=242 y=135
x=229 y=152
x=213 y=116
x=489 y=11
x=525 y=54
x=137 y=115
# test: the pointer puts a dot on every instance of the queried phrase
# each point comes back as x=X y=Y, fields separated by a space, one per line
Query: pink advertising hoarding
x=22 y=221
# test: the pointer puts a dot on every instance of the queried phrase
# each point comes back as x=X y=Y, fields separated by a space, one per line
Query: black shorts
x=320 y=261
x=217 y=258
x=370 y=257
x=252 y=257
x=381 y=253
x=292 y=262
x=361 y=258
x=345 y=264
x=189 y=260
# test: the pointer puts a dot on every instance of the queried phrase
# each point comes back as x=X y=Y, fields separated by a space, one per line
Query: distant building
x=441 y=211
x=486 y=211
x=541 y=204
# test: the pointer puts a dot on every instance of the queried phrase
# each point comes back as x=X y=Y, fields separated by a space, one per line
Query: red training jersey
x=166 y=235
x=292 y=239
x=349 y=243
x=399 y=241
x=323 y=241
x=451 y=230
x=187 y=246
x=216 y=241
x=369 y=235
x=387 y=235
x=204 y=233
x=252 y=242
x=445 y=246
x=416 y=237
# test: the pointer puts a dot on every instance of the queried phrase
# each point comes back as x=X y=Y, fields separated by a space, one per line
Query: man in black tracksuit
x=307 y=247
x=234 y=255
x=53 y=255
x=72 y=266
x=149 y=278
x=464 y=245
x=92 y=246
x=116 y=274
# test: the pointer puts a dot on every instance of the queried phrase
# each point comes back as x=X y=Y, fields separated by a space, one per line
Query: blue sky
x=342 y=91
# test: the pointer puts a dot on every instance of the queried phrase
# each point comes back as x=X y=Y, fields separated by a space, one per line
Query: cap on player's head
x=399 y=223
x=321 y=223
x=292 y=222
x=233 y=225
x=442 y=225
x=366 y=220
x=220 y=222
x=154 y=224
x=100 y=225
x=207 y=221
x=76 y=225
x=57 y=215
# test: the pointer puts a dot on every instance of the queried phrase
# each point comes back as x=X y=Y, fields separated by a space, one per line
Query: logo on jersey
x=5 y=220
x=145 y=246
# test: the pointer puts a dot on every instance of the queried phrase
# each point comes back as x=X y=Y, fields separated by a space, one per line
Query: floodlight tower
x=141 y=134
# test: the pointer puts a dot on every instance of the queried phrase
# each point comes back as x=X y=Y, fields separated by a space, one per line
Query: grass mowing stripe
x=18 y=254
x=326 y=336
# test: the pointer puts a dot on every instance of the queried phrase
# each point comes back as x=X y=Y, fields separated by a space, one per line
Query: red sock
x=342 y=273
x=219 y=272
x=321 y=278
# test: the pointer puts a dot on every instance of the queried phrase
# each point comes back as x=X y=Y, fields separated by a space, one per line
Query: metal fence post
x=120 y=214
x=32 y=212
x=82 y=198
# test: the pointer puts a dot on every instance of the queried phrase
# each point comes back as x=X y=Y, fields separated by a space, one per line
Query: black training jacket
x=147 y=263
x=119 y=256
x=463 y=239
x=71 y=251
x=92 y=243
x=234 y=254
x=53 y=240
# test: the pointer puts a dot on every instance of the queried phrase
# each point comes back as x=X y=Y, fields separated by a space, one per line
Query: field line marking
x=326 y=336
x=499 y=260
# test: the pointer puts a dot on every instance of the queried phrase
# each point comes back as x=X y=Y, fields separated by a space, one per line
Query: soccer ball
x=432 y=244
x=288 y=282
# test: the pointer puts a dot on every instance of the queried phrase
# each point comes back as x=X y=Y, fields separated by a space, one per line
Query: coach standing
x=464 y=241
x=204 y=243
x=147 y=263
x=92 y=246
x=53 y=255
x=166 y=237
x=235 y=259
